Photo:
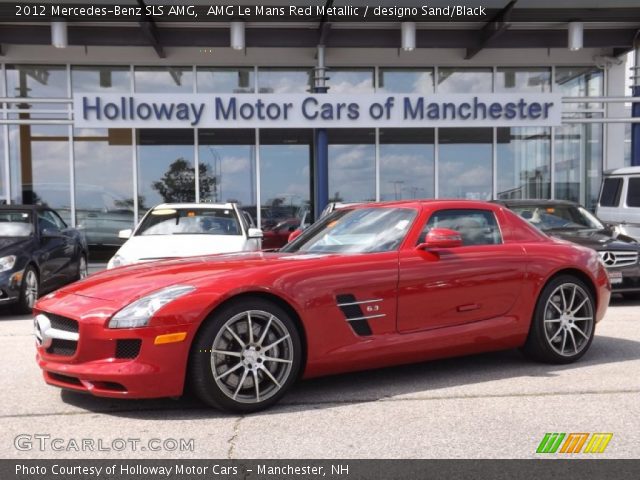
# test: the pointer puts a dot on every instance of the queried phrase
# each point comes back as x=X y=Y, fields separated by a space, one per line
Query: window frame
x=618 y=192
x=491 y=213
x=628 y=193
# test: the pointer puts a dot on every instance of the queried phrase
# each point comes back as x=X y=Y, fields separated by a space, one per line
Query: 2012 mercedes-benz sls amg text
x=370 y=286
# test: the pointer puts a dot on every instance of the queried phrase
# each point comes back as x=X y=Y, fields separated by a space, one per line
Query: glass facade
x=285 y=175
x=352 y=165
x=164 y=79
x=103 y=180
x=464 y=80
x=464 y=169
x=578 y=148
x=407 y=163
x=166 y=171
x=524 y=163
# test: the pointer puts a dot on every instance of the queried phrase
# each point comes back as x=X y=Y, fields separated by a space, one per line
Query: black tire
x=83 y=267
x=247 y=359
x=28 y=295
x=554 y=331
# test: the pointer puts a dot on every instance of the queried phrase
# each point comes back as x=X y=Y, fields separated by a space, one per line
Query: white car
x=173 y=230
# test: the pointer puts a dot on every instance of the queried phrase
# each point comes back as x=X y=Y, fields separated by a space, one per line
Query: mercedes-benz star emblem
x=609 y=258
x=42 y=325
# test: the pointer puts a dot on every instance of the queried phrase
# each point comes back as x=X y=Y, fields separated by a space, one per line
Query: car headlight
x=116 y=261
x=138 y=313
x=7 y=263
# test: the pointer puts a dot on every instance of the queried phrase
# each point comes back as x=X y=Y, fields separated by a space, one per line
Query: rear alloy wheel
x=564 y=322
x=246 y=357
x=29 y=291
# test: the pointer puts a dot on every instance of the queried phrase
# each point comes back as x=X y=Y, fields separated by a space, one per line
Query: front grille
x=64 y=348
x=618 y=258
x=129 y=348
x=63 y=323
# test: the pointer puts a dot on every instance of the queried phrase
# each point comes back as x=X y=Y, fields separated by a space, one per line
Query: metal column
x=321 y=144
x=635 y=109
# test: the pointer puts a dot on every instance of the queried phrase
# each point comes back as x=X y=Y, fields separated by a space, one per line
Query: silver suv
x=619 y=203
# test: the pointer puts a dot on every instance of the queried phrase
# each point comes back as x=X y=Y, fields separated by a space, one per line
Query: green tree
x=177 y=184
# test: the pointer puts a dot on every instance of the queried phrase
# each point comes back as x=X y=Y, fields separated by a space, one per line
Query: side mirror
x=295 y=234
x=125 y=233
x=441 y=238
x=255 y=233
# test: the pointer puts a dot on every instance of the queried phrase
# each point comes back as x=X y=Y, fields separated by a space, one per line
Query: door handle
x=468 y=307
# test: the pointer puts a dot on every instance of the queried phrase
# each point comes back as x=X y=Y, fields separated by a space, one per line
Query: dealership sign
x=316 y=110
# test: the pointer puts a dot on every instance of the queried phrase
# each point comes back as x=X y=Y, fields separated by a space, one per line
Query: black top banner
x=321 y=11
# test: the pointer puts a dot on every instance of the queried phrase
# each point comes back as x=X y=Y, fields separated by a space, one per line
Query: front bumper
x=630 y=281
x=96 y=366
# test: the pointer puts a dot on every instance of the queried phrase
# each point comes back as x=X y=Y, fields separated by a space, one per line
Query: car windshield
x=362 y=230
x=558 y=217
x=14 y=223
x=190 y=221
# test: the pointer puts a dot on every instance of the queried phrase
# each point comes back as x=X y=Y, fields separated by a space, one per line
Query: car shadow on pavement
x=423 y=380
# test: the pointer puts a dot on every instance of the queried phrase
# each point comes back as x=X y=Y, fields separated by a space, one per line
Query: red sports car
x=366 y=287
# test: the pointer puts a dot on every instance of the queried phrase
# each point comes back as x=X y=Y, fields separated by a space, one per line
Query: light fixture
x=59 y=34
x=237 y=35
x=576 y=35
x=408 y=32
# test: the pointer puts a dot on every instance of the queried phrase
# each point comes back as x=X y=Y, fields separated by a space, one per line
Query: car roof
x=439 y=203
x=24 y=207
x=211 y=206
x=623 y=171
x=535 y=202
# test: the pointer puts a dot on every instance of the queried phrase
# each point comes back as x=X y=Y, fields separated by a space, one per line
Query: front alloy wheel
x=564 y=322
x=83 y=269
x=29 y=291
x=246 y=356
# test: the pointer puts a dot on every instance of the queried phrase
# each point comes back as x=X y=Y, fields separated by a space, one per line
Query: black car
x=570 y=221
x=38 y=253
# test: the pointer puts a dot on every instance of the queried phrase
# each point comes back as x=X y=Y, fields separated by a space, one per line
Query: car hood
x=153 y=247
x=598 y=239
x=9 y=245
x=125 y=284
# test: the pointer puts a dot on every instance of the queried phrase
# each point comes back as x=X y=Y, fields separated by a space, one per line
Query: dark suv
x=569 y=221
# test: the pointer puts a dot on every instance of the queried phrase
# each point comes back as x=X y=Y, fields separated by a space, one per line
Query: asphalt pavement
x=496 y=405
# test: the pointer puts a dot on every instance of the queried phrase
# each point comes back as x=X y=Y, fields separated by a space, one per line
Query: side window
x=55 y=218
x=610 y=194
x=46 y=222
x=248 y=219
x=633 y=192
x=477 y=227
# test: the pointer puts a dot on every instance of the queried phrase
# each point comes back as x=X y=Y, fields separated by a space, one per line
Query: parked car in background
x=330 y=208
x=278 y=235
x=38 y=253
x=365 y=287
x=619 y=202
x=173 y=230
x=569 y=221
x=333 y=206
x=100 y=213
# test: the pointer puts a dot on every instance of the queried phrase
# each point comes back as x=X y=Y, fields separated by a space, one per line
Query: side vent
x=352 y=311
